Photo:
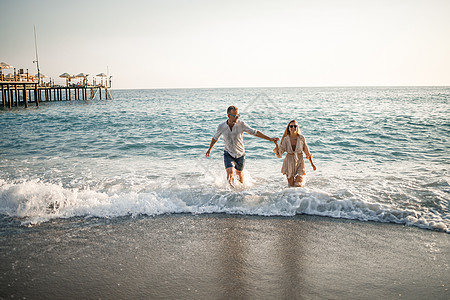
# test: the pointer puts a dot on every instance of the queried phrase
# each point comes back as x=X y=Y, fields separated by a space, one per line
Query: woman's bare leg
x=299 y=181
x=290 y=181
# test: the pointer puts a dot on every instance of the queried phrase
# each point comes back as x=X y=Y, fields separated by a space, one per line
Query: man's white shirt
x=233 y=139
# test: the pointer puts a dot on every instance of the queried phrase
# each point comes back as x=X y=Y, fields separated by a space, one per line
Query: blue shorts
x=229 y=160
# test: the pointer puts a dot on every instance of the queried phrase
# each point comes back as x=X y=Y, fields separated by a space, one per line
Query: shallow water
x=381 y=153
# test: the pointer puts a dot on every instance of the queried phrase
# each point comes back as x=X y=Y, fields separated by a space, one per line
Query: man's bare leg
x=230 y=176
x=241 y=175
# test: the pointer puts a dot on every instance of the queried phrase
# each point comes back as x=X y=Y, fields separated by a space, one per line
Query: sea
x=382 y=155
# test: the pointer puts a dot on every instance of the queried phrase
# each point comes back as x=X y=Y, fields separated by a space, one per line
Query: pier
x=17 y=93
x=21 y=88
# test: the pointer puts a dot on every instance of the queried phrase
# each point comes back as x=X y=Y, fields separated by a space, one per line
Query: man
x=234 y=153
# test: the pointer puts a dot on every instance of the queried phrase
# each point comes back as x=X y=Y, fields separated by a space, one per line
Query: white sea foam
x=34 y=202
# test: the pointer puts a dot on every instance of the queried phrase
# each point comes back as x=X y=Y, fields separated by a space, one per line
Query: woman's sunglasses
x=293 y=126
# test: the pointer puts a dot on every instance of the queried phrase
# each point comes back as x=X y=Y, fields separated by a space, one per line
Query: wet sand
x=223 y=256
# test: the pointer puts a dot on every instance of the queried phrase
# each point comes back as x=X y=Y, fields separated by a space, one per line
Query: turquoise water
x=382 y=155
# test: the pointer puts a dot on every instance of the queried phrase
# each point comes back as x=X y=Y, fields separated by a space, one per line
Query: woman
x=294 y=144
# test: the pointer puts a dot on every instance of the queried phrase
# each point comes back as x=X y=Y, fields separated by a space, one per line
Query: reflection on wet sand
x=233 y=259
x=249 y=262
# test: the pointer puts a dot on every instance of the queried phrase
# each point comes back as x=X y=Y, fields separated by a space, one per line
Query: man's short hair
x=230 y=108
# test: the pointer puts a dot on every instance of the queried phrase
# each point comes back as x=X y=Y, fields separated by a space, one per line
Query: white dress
x=293 y=164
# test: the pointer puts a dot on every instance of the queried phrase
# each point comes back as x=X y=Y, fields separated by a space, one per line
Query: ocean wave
x=34 y=202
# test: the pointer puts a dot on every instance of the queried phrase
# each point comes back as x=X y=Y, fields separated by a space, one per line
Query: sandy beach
x=223 y=256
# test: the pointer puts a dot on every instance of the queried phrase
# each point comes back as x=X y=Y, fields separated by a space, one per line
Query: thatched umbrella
x=67 y=76
x=102 y=75
x=4 y=65
x=82 y=75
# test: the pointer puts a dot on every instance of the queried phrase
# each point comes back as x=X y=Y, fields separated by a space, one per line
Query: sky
x=212 y=44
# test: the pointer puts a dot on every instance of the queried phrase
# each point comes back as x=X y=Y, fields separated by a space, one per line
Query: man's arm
x=261 y=135
x=213 y=141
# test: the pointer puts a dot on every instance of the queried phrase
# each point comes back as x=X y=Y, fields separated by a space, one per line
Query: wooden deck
x=17 y=93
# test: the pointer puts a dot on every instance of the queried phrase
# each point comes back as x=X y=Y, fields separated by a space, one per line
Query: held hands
x=275 y=140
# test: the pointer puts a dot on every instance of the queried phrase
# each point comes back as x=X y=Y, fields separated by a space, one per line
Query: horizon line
x=282 y=87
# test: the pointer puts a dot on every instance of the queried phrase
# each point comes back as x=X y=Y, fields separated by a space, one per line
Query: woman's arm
x=309 y=156
x=312 y=164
